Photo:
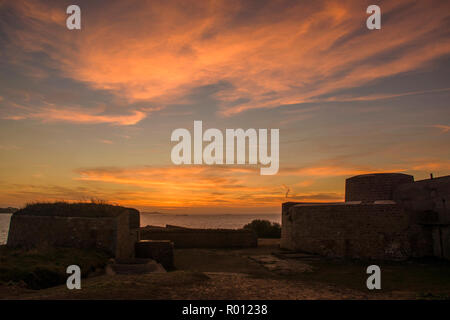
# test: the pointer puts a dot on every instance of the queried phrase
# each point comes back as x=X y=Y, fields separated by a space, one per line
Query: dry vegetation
x=74 y=209
x=46 y=267
x=230 y=274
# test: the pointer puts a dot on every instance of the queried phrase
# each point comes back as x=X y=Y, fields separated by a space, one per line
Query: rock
x=282 y=266
x=134 y=266
x=159 y=250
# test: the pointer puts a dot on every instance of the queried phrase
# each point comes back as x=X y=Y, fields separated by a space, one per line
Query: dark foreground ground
x=258 y=273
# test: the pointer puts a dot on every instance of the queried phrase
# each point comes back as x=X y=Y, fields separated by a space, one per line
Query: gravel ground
x=257 y=273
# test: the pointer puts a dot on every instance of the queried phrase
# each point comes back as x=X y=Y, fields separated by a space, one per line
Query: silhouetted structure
x=385 y=216
x=111 y=228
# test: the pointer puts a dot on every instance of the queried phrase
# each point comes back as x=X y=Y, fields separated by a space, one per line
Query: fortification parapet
x=113 y=229
x=376 y=186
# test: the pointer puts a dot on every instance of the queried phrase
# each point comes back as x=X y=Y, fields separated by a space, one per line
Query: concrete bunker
x=113 y=229
x=385 y=216
x=201 y=238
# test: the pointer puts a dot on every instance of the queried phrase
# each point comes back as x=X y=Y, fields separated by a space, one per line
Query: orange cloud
x=105 y=141
x=443 y=128
x=430 y=166
x=77 y=116
x=178 y=187
x=196 y=186
x=159 y=51
x=335 y=170
x=81 y=116
x=234 y=186
x=373 y=97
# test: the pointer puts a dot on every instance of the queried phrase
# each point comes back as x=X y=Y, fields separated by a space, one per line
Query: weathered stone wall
x=125 y=237
x=386 y=216
x=377 y=186
x=441 y=241
x=135 y=218
x=31 y=231
x=202 y=238
x=427 y=197
x=373 y=231
x=110 y=228
x=159 y=250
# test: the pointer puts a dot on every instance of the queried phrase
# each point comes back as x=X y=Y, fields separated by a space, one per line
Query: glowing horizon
x=88 y=114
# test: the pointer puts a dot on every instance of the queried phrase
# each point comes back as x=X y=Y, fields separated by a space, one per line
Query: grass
x=214 y=274
x=424 y=277
x=76 y=209
x=421 y=278
x=46 y=267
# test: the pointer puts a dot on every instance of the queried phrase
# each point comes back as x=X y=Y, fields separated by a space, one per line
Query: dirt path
x=257 y=273
x=189 y=285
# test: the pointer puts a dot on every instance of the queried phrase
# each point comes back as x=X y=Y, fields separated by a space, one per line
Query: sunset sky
x=89 y=113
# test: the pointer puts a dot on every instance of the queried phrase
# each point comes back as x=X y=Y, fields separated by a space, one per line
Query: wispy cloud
x=80 y=116
x=276 y=55
x=441 y=127
x=156 y=57
x=9 y=147
x=77 y=116
x=105 y=141
x=373 y=97
x=195 y=186
x=432 y=165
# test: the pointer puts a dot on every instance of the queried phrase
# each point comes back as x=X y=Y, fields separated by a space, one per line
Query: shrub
x=72 y=209
x=44 y=268
x=265 y=228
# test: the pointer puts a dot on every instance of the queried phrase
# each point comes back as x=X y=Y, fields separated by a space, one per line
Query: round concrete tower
x=375 y=186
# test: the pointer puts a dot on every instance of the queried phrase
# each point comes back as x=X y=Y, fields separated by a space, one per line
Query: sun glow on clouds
x=81 y=116
x=276 y=54
x=443 y=128
x=147 y=55
x=196 y=186
x=202 y=185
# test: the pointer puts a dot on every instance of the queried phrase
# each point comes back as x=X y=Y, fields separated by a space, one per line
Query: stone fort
x=113 y=229
x=385 y=216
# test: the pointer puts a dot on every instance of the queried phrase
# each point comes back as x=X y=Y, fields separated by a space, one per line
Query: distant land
x=153 y=212
x=8 y=210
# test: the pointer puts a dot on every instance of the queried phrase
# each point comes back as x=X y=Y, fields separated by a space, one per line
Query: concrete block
x=159 y=250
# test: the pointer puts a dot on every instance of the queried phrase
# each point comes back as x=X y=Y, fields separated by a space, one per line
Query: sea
x=219 y=221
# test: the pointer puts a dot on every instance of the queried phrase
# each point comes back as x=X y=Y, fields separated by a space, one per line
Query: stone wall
x=159 y=250
x=125 y=237
x=135 y=218
x=441 y=241
x=110 y=234
x=31 y=231
x=372 y=231
x=427 y=196
x=385 y=216
x=202 y=238
x=377 y=186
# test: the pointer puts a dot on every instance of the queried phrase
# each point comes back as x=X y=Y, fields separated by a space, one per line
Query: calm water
x=226 y=221
x=4 y=227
